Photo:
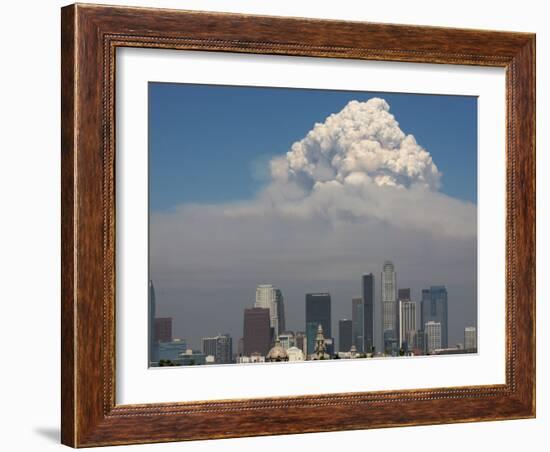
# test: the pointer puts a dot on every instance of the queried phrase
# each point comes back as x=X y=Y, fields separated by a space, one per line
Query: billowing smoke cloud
x=359 y=165
x=355 y=191
x=362 y=144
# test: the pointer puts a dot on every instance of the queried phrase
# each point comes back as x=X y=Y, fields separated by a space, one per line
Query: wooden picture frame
x=90 y=35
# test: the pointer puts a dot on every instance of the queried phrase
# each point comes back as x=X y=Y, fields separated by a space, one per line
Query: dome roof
x=277 y=353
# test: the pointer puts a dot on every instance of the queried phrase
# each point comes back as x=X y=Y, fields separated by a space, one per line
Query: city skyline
x=347 y=181
x=298 y=325
x=415 y=331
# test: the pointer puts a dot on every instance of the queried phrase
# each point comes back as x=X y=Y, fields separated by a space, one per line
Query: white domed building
x=277 y=353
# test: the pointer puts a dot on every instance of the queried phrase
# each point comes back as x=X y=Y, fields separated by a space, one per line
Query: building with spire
x=320 y=351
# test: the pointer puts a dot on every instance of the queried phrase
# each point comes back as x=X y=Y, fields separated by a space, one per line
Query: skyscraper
x=470 y=338
x=389 y=304
x=318 y=311
x=407 y=323
x=271 y=298
x=404 y=294
x=163 y=329
x=209 y=346
x=280 y=302
x=220 y=347
x=153 y=345
x=345 y=335
x=434 y=308
x=256 y=331
x=311 y=333
x=433 y=336
x=357 y=317
x=367 y=288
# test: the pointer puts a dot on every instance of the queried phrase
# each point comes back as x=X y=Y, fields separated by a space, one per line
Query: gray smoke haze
x=354 y=192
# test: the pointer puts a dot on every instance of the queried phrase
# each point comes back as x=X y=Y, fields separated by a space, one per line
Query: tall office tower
x=153 y=345
x=367 y=288
x=163 y=329
x=357 y=317
x=470 y=338
x=224 y=352
x=300 y=341
x=209 y=346
x=345 y=335
x=220 y=347
x=404 y=294
x=434 y=308
x=318 y=311
x=256 y=331
x=407 y=323
x=271 y=298
x=280 y=301
x=311 y=333
x=389 y=305
x=433 y=336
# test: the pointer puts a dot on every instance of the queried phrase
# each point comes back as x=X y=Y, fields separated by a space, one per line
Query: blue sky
x=211 y=144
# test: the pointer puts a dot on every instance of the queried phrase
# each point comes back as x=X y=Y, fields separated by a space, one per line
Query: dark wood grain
x=90 y=36
x=68 y=310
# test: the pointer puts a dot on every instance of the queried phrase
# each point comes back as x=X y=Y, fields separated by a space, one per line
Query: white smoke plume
x=356 y=166
x=361 y=144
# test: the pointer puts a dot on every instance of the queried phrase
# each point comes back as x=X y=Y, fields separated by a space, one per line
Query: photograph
x=294 y=224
